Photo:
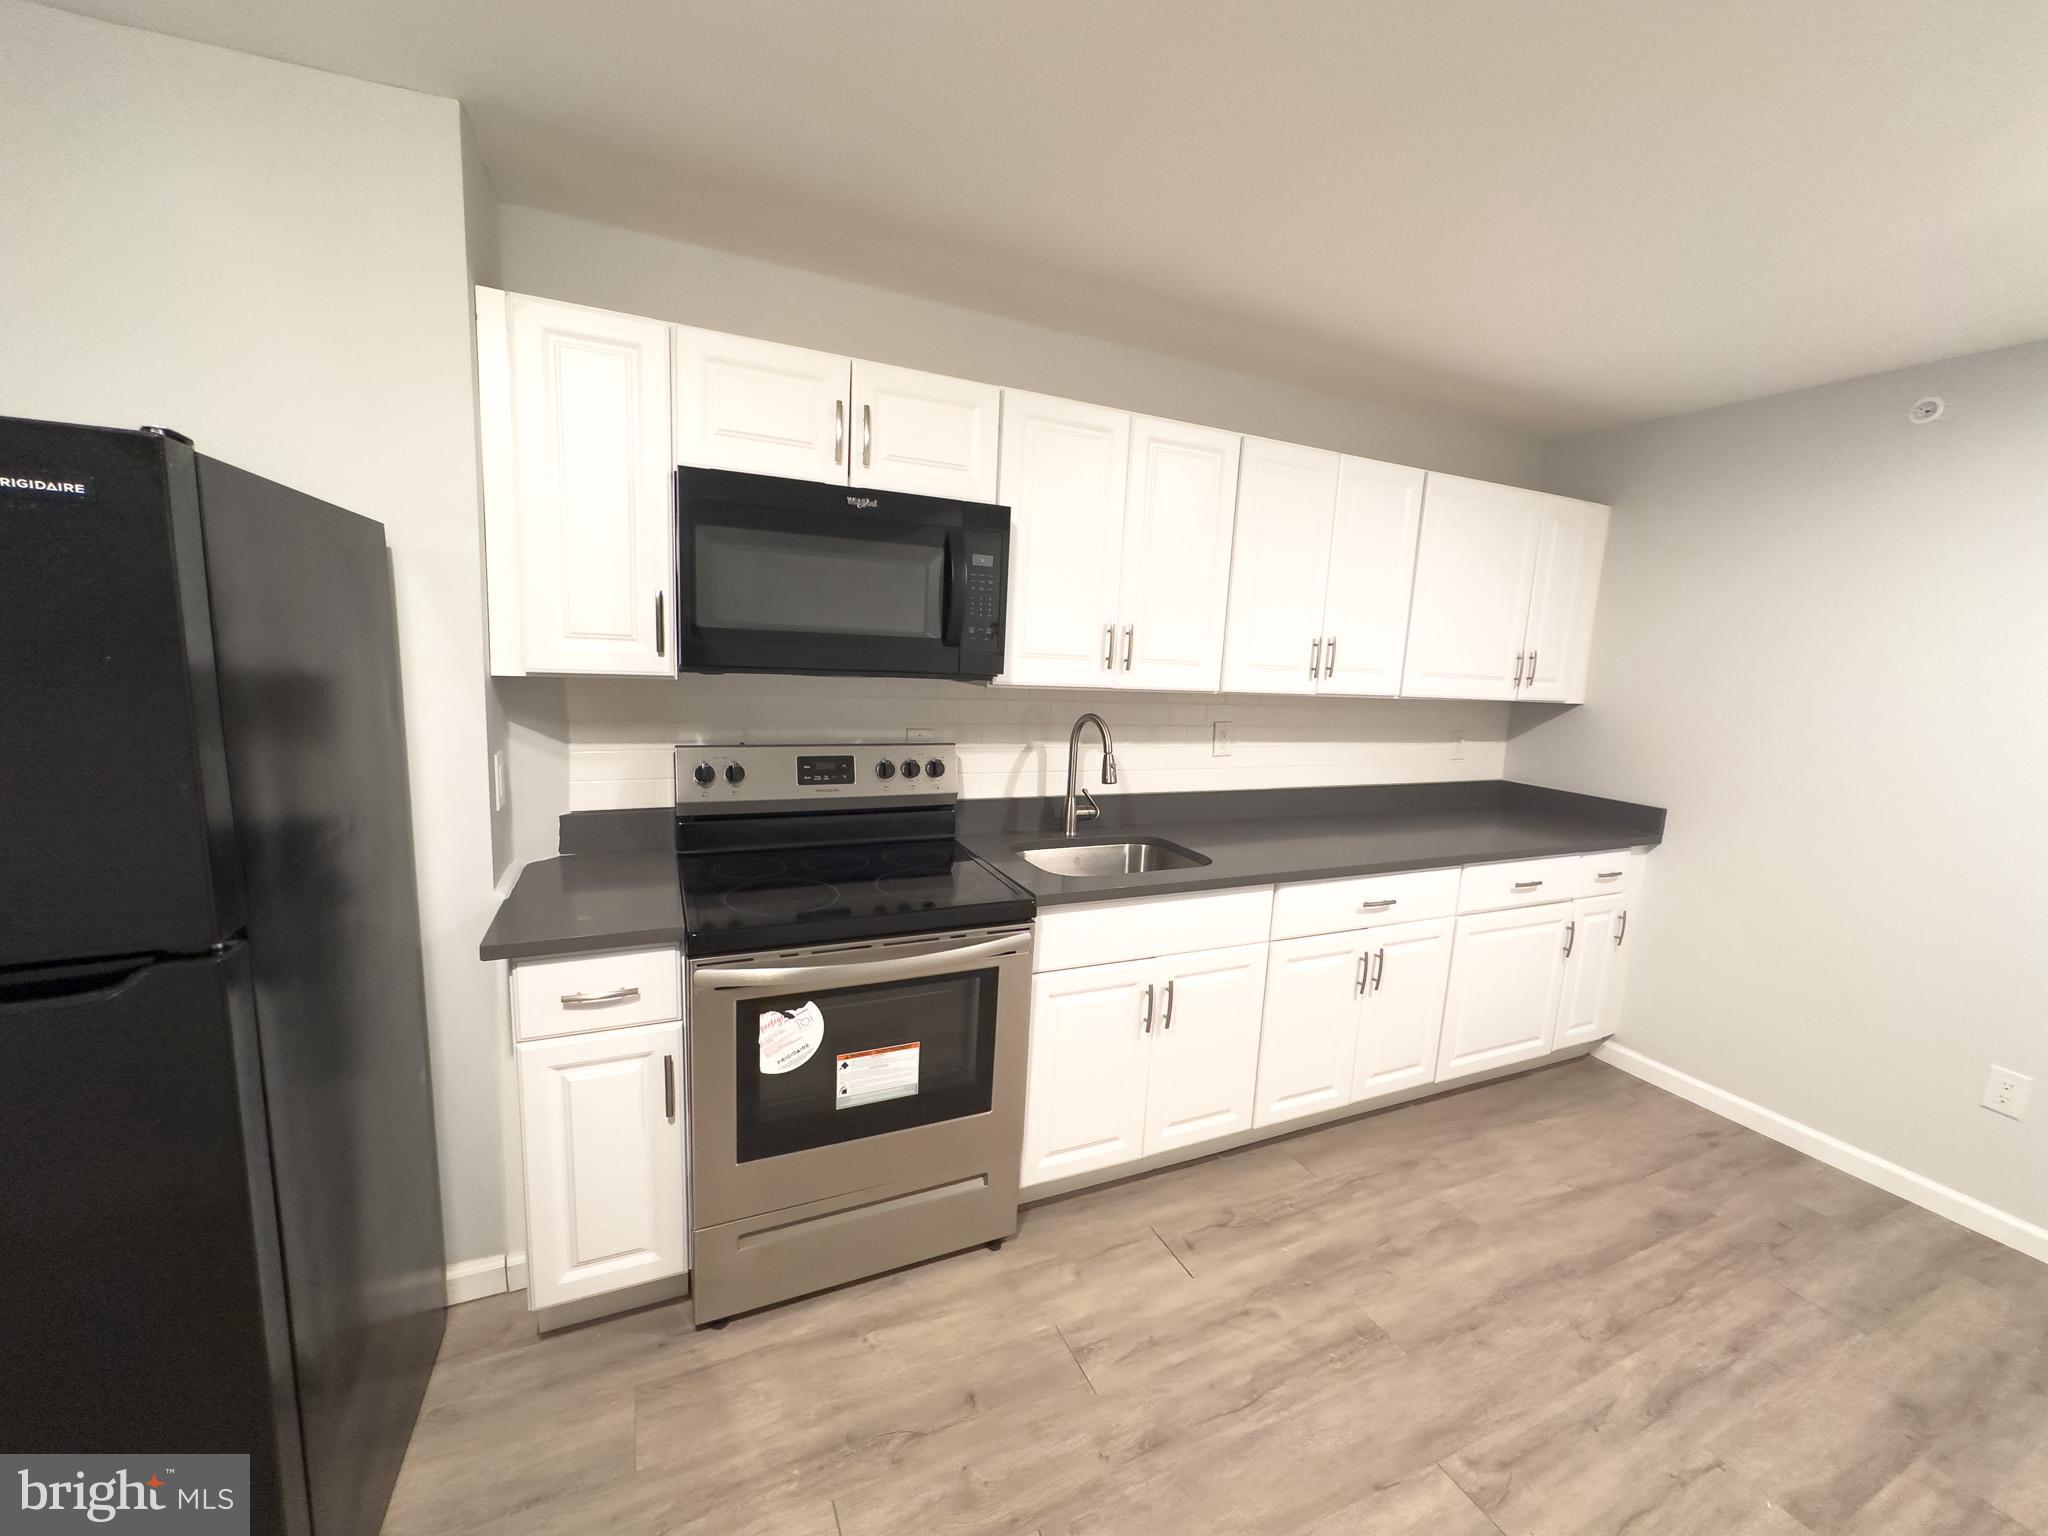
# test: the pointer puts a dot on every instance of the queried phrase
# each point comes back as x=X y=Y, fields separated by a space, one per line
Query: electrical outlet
x=1222 y=738
x=497 y=781
x=2008 y=1092
x=919 y=733
x=1458 y=750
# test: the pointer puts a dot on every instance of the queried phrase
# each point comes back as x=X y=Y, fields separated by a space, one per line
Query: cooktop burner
x=747 y=900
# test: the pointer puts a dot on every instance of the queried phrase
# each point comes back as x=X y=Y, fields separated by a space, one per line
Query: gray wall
x=1823 y=644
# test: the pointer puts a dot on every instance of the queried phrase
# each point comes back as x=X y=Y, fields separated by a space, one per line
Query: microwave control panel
x=984 y=598
x=722 y=779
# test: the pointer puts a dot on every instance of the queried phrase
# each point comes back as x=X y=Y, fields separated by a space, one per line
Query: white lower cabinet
x=1595 y=968
x=1507 y=975
x=1407 y=974
x=1205 y=1051
x=602 y=1119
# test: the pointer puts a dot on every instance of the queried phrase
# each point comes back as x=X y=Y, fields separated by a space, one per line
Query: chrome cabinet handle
x=1148 y=1007
x=1515 y=680
x=838 y=431
x=660 y=628
x=1129 y=631
x=1330 y=657
x=1315 y=657
x=1620 y=928
x=1364 y=971
x=867 y=435
x=1377 y=906
x=1108 y=647
x=1166 y=1014
x=1379 y=968
x=1609 y=874
x=1531 y=683
x=1527 y=885
x=1571 y=930
x=668 y=1085
x=599 y=999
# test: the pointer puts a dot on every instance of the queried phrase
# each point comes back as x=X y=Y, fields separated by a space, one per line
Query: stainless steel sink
x=1141 y=856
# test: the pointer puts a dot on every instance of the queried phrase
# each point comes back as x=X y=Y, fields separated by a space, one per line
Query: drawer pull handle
x=1610 y=874
x=599 y=999
x=1377 y=906
x=1527 y=885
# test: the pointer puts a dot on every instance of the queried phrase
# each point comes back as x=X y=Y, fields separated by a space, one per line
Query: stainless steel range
x=859 y=993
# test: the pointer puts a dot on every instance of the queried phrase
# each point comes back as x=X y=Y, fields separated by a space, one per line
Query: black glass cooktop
x=745 y=899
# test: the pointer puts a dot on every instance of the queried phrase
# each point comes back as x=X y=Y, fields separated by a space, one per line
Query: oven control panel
x=870 y=773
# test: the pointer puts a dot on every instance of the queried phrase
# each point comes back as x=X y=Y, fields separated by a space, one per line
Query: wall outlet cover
x=1222 y=738
x=2007 y=1092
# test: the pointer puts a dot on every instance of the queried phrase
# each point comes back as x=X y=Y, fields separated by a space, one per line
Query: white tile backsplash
x=1013 y=741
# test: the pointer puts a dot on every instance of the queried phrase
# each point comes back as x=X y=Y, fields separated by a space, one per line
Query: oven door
x=836 y=1070
x=786 y=576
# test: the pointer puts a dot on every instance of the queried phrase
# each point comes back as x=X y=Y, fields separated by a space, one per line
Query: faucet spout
x=1077 y=812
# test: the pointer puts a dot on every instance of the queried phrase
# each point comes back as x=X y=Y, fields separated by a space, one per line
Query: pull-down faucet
x=1074 y=790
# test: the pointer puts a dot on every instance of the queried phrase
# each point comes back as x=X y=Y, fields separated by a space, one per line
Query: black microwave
x=779 y=575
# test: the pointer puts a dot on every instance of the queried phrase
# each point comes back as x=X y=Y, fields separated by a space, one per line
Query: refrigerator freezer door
x=114 y=812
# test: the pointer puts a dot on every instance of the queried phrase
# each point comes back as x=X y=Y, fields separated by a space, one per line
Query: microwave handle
x=847 y=973
x=956 y=586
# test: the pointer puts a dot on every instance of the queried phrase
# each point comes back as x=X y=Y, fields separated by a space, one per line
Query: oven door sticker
x=788 y=1040
x=868 y=1077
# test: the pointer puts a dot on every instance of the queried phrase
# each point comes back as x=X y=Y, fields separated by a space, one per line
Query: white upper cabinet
x=1286 y=503
x=1175 y=582
x=924 y=433
x=577 y=478
x=1505 y=585
x=1372 y=568
x=1561 y=601
x=1473 y=567
x=1063 y=471
x=761 y=407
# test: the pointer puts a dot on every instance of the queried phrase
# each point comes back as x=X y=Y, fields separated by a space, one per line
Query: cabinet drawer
x=1601 y=873
x=1101 y=932
x=1490 y=887
x=1330 y=906
x=611 y=990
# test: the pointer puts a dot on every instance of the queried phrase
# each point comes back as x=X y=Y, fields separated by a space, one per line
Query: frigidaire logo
x=84 y=1493
x=862 y=501
x=35 y=485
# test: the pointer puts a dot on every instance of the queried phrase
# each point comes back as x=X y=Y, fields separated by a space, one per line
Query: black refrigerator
x=220 y=1224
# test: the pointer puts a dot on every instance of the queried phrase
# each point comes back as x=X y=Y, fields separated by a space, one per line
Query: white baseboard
x=474 y=1279
x=1965 y=1210
x=515 y=1271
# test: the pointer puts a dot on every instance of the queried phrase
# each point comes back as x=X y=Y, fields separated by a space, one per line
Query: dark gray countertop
x=586 y=901
x=624 y=890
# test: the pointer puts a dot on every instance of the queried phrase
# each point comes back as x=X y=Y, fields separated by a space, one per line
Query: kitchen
x=1481 y=718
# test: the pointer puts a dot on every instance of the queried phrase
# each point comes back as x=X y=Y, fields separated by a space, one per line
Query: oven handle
x=955 y=622
x=849 y=973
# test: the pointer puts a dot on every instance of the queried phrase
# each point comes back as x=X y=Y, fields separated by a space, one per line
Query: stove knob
x=911 y=769
x=734 y=773
x=935 y=769
x=704 y=773
x=885 y=769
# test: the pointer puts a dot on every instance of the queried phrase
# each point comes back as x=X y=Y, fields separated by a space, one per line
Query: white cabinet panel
x=1372 y=570
x=1280 y=558
x=589 y=396
x=1360 y=901
x=1408 y=971
x=924 y=433
x=1310 y=1035
x=612 y=989
x=1566 y=585
x=602 y=1121
x=1176 y=562
x=1520 y=883
x=1205 y=1050
x=1474 y=563
x=1062 y=476
x=1594 y=970
x=761 y=407
x=1507 y=970
x=1084 y=1103
x=1098 y=932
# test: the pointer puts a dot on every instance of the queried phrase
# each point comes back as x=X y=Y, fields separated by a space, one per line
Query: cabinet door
x=1084 y=1097
x=761 y=407
x=1309 y=1036
x=1280 y=554
x=1592 y=974
x=602 y=1119
x=1507 y=970
x=1176 y=565
x=1473 y=565
x=1205 y=1051
x=924 y=432
x=1062 y=477
x=1408 y=973
x=596 y=548
x=1372 y=571
x=1561 y=601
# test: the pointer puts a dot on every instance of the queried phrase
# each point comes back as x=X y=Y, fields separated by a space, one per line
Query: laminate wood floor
x=1566 y=1302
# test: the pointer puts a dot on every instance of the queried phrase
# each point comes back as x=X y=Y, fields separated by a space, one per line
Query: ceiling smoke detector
x=1926 y=410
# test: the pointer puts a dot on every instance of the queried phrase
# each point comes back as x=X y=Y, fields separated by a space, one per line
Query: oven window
x=893 y=1055
x=815 y=583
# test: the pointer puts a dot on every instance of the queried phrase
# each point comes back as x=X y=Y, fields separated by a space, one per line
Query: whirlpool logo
x=203 y=1495
x=867 y=502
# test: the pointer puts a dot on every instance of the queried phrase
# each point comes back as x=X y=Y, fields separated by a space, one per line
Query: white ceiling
x=1556 y=214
